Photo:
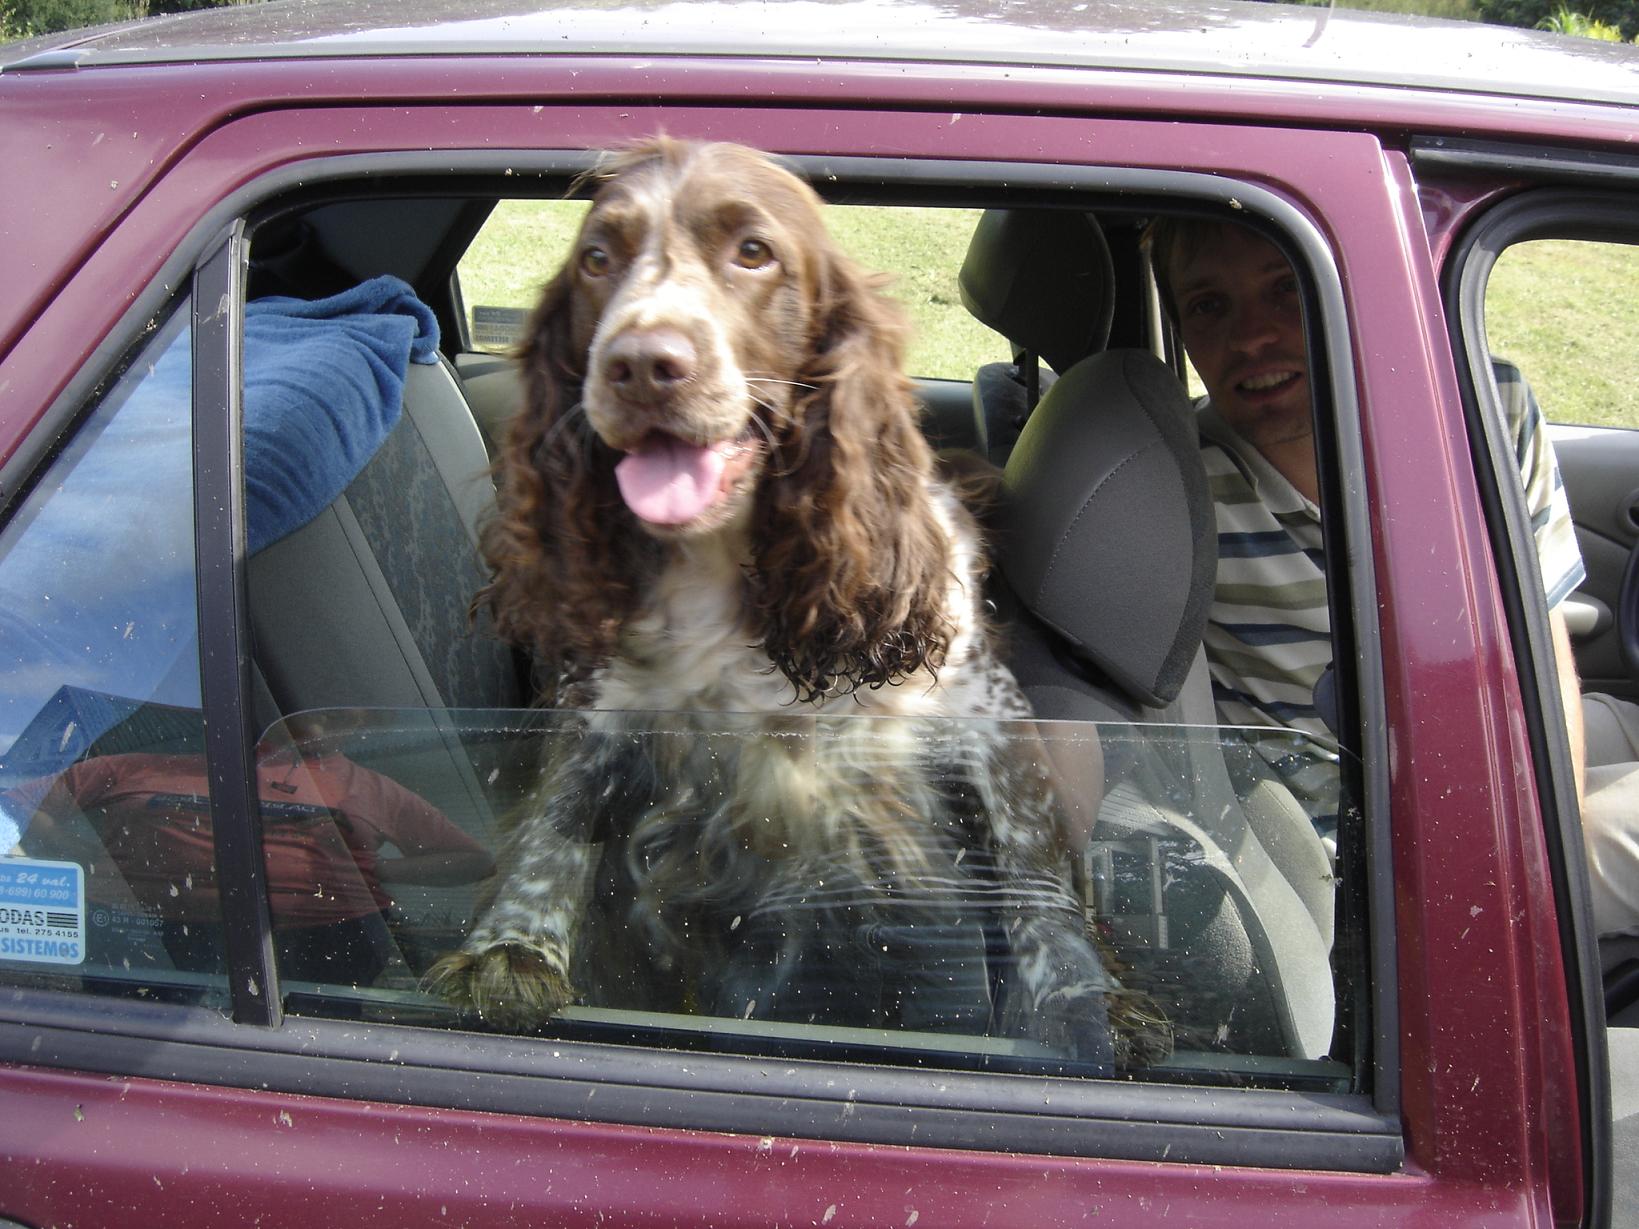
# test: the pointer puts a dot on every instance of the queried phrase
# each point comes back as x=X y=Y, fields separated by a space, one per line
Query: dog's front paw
x=509 y=986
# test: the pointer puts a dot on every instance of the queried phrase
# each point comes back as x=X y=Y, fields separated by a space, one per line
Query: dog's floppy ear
x=851 y=568
x=559 y=582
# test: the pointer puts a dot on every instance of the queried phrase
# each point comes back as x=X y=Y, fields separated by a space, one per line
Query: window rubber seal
x=224 y=640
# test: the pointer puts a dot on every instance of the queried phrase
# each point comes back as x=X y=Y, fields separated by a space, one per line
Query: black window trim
x=716 y=1092
x=224 y=657
x=1516 y=160
x=1542 y=213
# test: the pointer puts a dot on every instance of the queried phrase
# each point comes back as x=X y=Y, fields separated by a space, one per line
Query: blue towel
x=324 y=386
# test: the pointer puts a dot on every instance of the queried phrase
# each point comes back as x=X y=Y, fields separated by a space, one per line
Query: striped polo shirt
x=1268 y=640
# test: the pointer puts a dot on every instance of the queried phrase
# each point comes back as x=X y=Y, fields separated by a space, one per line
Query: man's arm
x=1570 y=694
x=1555 y=533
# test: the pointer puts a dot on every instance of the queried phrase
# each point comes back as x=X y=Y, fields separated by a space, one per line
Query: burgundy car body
x=128 y=151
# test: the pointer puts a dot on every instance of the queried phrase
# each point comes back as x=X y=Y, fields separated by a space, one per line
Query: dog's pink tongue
x=668 y=482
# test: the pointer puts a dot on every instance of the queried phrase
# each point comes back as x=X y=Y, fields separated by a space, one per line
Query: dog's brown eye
x=753 y=254
x=594 y=262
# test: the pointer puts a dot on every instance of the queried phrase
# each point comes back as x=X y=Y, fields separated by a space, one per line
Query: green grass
x=922 y=249
x=519 y=248
x=1565 y=312
x=525 y=241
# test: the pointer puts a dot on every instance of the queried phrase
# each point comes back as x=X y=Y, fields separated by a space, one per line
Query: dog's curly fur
x=823 y=577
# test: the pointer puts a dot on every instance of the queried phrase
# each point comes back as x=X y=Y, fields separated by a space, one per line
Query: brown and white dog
x=717 y=502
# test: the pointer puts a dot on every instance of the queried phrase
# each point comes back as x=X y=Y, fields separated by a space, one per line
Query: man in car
x=1236 y=303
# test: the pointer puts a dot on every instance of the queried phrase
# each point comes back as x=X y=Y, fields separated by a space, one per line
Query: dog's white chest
x=689 y=650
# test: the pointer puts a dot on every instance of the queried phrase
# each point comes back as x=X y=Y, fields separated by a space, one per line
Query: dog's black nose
x=647 y=365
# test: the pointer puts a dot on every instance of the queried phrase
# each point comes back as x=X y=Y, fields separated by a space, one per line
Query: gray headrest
x=1043 y=279
x=1109 y=536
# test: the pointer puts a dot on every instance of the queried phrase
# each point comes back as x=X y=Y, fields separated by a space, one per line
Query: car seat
x=1043 y=279
x=372 y=596
x=366 y=607
x=1221 y=900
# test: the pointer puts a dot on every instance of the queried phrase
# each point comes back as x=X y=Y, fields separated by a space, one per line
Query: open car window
x=1558 y=309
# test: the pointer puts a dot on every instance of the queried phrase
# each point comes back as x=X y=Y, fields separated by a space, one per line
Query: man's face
x=1240 y=319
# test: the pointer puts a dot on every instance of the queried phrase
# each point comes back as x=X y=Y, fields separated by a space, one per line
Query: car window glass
x=110 y=877
x=920 y=249
x=1211 y=976
x=502 y=272
x=1563 y=312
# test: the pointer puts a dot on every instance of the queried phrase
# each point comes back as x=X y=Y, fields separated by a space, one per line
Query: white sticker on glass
x=42 y=911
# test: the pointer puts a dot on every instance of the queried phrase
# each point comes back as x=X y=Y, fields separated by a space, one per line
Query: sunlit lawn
x=525 y=241
x=1565 y=312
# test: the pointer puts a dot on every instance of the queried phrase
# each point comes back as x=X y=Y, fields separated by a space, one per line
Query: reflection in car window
x=97 y=615
x=1206 y=888
x=341 y=842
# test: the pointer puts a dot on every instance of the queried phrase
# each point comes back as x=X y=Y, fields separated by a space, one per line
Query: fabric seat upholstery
x=1108 y=551
x=366 y=607
x=1043 y=279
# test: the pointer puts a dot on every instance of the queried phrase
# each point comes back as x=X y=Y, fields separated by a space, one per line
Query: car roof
x=1225 y=38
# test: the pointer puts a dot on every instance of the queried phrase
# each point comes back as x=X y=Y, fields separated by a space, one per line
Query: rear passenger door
x=1544 y=278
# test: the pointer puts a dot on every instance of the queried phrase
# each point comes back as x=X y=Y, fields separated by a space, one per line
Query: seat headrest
x=1043 y=279
x=1108 y=534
